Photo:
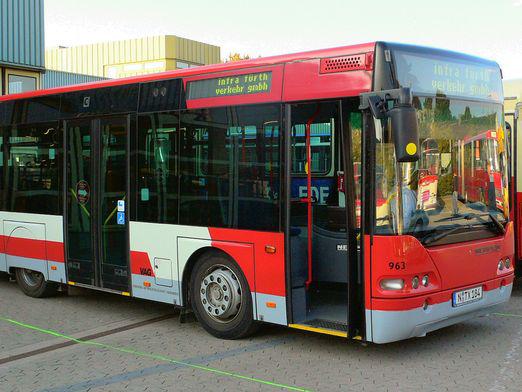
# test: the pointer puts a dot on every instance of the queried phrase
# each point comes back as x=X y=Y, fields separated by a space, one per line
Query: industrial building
x=133 y=57
x=25 y=65
x=21 y=45
x=22 y=50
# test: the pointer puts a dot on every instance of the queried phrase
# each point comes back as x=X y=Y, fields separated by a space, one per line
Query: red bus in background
x=429 y=172
x=479 y=176
x=283 y=190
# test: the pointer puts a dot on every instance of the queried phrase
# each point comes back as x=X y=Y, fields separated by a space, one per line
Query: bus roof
x=202 y=70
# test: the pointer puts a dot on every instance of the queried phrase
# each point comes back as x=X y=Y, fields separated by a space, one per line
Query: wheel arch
x=196 y=257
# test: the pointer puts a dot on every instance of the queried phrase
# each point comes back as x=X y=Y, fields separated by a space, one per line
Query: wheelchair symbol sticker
x=121 y=218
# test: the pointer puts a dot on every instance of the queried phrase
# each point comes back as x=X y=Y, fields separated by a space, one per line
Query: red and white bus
x=480 y=178
x=232 y=190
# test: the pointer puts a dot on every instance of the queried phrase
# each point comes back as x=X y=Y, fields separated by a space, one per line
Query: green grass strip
x=153 y=356
x=507 y=315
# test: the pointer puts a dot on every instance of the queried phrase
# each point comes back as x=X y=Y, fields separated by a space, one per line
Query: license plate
x=467 y=296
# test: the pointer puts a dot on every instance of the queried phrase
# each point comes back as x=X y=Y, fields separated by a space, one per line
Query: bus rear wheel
x=34 y=285
x=221 y=298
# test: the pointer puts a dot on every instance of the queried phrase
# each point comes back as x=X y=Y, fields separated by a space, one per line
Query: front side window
x=321 y=142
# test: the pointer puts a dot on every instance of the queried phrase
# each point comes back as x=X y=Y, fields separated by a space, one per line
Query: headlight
x=415 y=282
x=425 y=281
x=392 y=284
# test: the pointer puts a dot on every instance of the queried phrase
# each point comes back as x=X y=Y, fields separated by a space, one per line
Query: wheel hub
x=31 y=278
x=220 y=294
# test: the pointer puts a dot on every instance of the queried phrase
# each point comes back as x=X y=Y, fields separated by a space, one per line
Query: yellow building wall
x=133 y=57
x=512 y=94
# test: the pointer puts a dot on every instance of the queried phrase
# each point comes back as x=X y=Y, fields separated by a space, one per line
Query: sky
x=485 y=28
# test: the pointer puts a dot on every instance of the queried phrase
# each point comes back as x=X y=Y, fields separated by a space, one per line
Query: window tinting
x=108 y=100
x=230 y=166
x=321 y=138
x=160 y=96
x=157 y=175
x=34 y=165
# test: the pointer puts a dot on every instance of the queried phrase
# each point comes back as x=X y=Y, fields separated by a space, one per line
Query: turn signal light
x=271 y=305
x=270 y=249
x=392 y=284
x=500 y=265
x=146 y=284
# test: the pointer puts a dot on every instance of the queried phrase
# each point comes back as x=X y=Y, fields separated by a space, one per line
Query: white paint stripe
x=53 y=224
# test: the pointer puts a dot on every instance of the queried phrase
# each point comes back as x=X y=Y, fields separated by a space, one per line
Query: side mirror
x=403 y=119
x=405 y=129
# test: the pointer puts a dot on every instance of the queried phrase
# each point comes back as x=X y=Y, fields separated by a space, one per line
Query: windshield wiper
x=497 y=223
x=457 y=216
x=434 y=237
x=493 y=218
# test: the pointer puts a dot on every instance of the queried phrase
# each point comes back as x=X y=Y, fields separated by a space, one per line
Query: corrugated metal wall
x=192 y=51
x=22 y=33
x=52 y=79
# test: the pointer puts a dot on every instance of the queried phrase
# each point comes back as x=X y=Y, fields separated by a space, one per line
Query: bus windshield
x=460 y=180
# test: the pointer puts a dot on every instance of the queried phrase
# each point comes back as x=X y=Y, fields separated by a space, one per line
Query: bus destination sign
x=253 y=83
x=437 y=75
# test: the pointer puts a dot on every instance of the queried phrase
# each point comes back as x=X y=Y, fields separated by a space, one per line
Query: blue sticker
x=121 y=218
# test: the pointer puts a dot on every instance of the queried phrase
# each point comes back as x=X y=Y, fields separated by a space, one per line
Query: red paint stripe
x=34 y=249
x=404 y=304
x=265 y=273
x=140 y=264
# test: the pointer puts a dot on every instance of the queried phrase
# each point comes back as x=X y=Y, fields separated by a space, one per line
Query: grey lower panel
x=275 y=315
x=58 y=274
x=391 y=326
x=52 y=270
x=3 y=263
x=27 y=263
x=169 y=295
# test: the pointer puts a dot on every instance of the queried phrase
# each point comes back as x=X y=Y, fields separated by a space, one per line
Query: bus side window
x=34 y=168
x=157 y=176
x=205 y=169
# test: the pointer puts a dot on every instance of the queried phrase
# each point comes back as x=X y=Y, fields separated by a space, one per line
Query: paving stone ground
x=484 y=354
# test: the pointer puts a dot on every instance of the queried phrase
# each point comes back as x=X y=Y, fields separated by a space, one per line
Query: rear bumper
x=387 y=326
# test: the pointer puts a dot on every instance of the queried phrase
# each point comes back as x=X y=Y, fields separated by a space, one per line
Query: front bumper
x=385 y=326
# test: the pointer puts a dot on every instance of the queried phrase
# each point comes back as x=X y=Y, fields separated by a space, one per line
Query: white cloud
x=517 y=3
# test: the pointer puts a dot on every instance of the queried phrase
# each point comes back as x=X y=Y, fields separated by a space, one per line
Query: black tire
x=34 y=284
x=4 y=276
x=239 y=323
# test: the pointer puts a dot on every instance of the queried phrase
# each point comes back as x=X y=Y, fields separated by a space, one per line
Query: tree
x=236 y=57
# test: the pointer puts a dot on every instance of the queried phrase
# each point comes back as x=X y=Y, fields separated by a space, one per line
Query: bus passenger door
x=96 y=202
x=318 y=225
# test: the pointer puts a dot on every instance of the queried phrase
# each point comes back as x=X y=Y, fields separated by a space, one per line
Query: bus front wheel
x=221 y=298
x=34 y=285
